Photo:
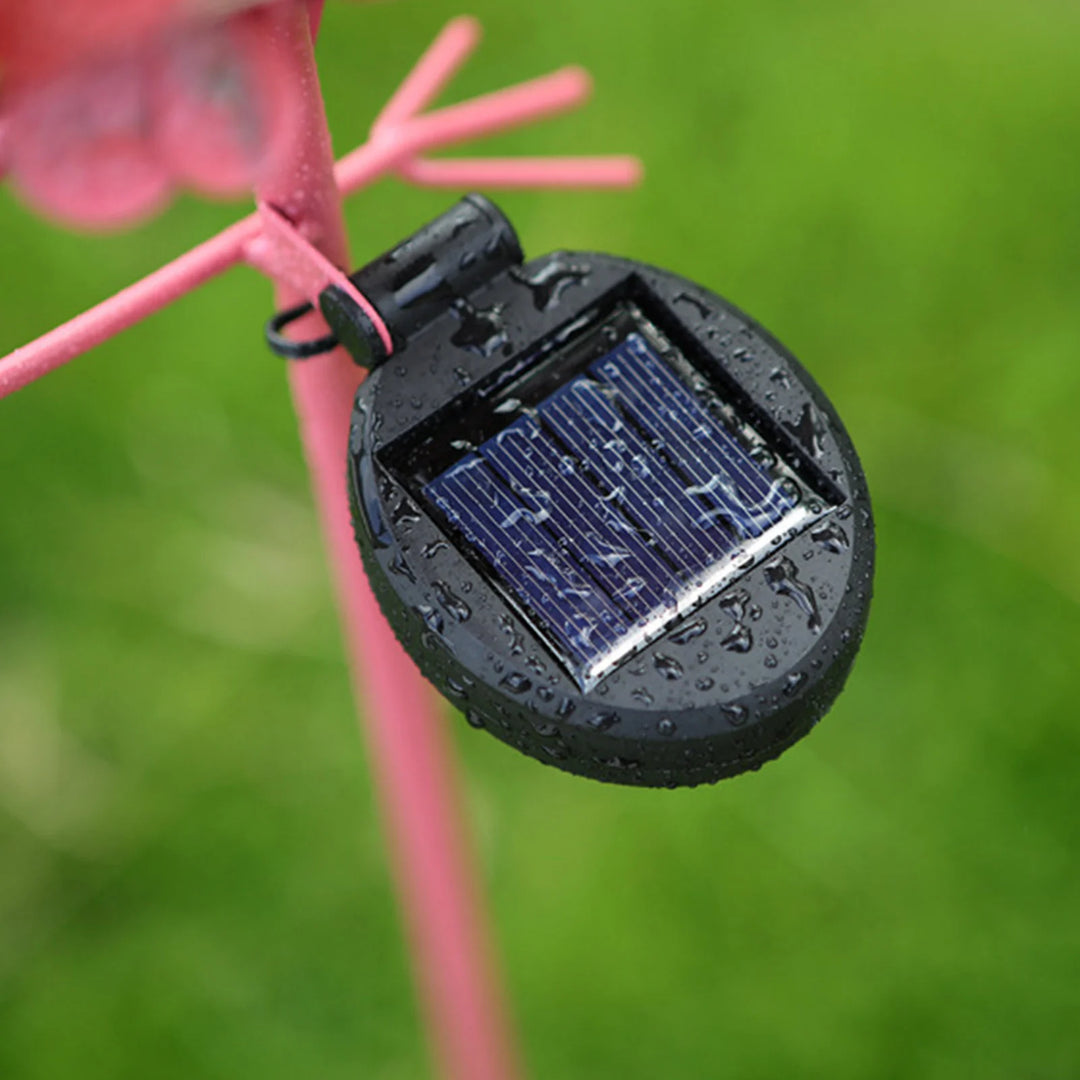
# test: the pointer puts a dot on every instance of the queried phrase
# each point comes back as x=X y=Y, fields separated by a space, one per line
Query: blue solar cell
x=608 y=508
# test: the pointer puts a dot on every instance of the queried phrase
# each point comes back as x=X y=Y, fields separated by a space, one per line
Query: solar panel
x=617 y=502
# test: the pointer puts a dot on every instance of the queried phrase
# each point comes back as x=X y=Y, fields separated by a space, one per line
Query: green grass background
x=192 y=878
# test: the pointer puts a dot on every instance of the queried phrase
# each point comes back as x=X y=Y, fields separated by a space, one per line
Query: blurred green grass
x=192 y=880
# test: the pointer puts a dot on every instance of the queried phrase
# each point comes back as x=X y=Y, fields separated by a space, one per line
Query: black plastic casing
x=727 y=687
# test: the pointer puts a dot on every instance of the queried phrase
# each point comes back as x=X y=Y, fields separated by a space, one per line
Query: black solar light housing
x=614 y=521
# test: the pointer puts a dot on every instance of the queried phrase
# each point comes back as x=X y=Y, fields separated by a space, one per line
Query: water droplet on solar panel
x=688 y=632
x=462 y=376
x=666 y=727
x=508 y=406
x=702 y=657
x=831 y=537
x=770 y=661
x=705 y=683
x=451 y=602
x=642 y=695
x=566 y=707
x=783 y=578
x=517 y=682
x=780 y=376
x=744 y=356
x=429 y=551
x=474 y=719
x=755 y=612
x=668 y=666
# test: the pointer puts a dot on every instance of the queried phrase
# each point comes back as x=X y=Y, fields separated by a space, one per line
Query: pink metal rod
x=438 y=65
x=126 y=308
x=413 y=765
x=601 y=172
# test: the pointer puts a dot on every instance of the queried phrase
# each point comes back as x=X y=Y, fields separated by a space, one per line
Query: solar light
x=613 y=520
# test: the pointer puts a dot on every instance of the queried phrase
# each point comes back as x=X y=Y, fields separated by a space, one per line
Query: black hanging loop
x=296 y=350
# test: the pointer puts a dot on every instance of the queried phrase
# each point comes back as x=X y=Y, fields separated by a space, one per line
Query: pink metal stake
x=413 y=764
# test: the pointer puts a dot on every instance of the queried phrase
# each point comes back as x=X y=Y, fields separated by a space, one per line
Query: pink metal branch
x=434 y=70
x=601 y=172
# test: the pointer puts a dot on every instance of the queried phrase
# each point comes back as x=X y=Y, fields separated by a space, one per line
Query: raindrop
x=668 y=666
x=517 y=683
x=451 y=602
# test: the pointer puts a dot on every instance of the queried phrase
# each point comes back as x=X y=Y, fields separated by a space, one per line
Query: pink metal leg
x=410 y=755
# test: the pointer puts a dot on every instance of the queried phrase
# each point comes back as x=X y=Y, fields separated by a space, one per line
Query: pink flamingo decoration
x=297 y=237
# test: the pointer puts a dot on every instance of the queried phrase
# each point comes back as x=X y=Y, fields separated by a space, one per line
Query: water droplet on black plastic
x=688 y=632
x=399 y=566
x=809 y=429
x=603 y=721
x=451 y=602
x=783 y=578
x=694 y=302
x=481 y=331
x=740 y=640
x=736 y=714
x=432 y=619
x=666 y=727
x=831 y=537
x=794 y=681
x=517 y=682
x=549 y=282
x=668 y=666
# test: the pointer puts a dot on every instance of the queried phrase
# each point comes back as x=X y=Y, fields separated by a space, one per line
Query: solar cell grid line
x=530 y=463
x=750 y=497
x=594 y=546
x=641 y=360
x=589 y=426
x=717 y=479
x=573 y=496
x=570 y=607
x=471 y=497
x=678 y=419
x=676 y=518
x=644 y=378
